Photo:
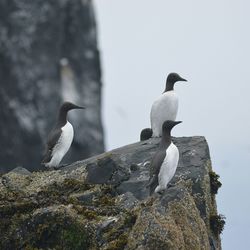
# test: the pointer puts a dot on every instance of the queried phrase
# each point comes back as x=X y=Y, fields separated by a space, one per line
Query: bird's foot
x=170 y=185
x=48 y=168
x=51 y=168
x=155 y=136
x=161 y=192
x=60 y=166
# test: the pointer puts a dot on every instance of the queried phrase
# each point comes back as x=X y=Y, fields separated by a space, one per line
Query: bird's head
x=168 y=125
x=67 y=106
x=174 y=77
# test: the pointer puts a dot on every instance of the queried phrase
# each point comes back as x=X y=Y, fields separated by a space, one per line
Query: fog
x=208 y=44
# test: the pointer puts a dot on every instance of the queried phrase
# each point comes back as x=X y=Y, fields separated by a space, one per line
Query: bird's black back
x=51 y=142
x=155 y=167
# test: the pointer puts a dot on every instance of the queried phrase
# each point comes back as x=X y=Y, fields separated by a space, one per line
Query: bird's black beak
x=177 y=122
x=182 y=79
x=78 y=107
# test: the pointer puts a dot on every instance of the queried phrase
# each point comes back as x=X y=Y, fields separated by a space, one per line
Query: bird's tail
x=47 y=157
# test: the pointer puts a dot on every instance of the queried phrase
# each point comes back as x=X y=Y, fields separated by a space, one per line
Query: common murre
x=60 y=138
x=166 y=106
x=165 y=160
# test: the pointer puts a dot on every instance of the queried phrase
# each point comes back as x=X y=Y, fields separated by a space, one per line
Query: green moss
x=130 y=219
x=60 y=192
x=74 y=237
x=117 y=235
x=87 y=213
x=119 y=243
x=217 y=223
x=104 y=156
x=108 y=189
x=66 y=187
x=106 y=200
x=52 y=231
x=75 y=185
x=17 y=207
x=29 y=247
x=214 y=182
x=9 y=195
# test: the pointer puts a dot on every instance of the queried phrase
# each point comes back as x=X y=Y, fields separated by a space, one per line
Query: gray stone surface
x=128 y=200
x=34 y=37
x=107 y=194
x=20 y=170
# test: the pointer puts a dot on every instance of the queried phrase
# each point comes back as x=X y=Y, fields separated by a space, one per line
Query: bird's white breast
x=168 y=167
x=164 y=108
x=63 y=145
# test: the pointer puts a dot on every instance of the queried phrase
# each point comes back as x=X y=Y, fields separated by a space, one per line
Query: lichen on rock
x=103 y=203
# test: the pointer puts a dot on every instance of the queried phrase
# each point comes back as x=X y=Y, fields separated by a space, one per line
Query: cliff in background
x=34 y=37
x=103 y=203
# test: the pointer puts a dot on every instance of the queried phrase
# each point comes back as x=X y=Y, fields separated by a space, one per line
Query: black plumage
x=160 y=155
x=55 y=134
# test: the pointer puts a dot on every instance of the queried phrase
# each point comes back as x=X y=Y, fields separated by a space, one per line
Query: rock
x=49 y=53
x=101 y=172
x=103 y=203
x=146 y=133
x=128 y=201
x=109 y=222
x=85 y=198
x=55 y=227
x=20 y=170
x=175 y=225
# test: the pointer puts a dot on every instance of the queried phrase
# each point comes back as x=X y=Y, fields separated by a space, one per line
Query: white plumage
x=168 y=167
x=62 y=146
x=164 y=108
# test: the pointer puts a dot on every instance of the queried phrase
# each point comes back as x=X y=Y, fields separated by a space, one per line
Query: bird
x=165 y=107
x=60 y=138
x=146 y=133
x=164 y=161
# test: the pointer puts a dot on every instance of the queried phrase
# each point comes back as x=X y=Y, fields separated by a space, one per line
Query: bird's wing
x=154 y=114
x=51 y=142
x=155 y=169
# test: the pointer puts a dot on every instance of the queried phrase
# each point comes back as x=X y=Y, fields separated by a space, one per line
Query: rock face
x=103 y=203
x=34 y=37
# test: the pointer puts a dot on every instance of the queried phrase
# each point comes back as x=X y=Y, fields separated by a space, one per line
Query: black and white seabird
x=60 y=138
x=165 y=160
x=166 y=106
x=146 y=133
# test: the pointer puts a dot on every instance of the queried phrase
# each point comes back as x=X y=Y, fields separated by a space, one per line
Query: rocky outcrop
x=103 y=203
x=48 y=54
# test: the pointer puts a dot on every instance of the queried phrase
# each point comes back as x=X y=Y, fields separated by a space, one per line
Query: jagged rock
x=34 y=37
x=128 y=200
x=174 y=223
x=101 y=172
x=98 y=208
x=20 y=170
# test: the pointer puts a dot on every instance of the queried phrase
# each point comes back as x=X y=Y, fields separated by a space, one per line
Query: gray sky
x=205 y=42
